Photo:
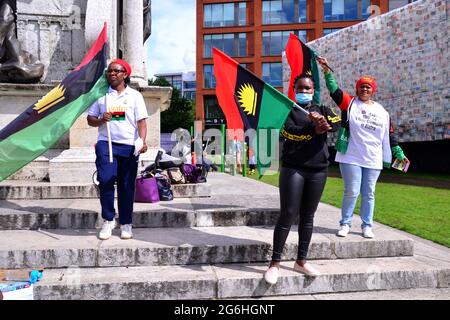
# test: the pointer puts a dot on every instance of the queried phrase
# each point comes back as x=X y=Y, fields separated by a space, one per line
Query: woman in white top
x=370 y=144
x=123 y=108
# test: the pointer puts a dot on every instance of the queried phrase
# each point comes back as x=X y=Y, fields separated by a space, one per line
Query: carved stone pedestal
x=72 y=160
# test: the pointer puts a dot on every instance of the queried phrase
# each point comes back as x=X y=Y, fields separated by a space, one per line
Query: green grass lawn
x=422 y=211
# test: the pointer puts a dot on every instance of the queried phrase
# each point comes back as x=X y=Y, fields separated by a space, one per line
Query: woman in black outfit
x=303 y=174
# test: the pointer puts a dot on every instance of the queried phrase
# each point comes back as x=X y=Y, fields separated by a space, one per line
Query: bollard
x=244 y=160
x=222 y=167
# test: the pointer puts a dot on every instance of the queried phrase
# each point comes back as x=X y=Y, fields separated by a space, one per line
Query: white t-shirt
x=127 y=109
x=368 y=145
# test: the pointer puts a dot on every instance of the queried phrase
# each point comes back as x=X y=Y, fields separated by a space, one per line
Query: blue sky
x=171 y=47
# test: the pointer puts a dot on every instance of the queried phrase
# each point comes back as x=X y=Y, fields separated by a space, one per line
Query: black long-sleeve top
x=303 y=148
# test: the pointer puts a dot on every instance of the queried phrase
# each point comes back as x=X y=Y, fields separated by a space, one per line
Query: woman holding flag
x=367 y=148
x=303 y=174
x=121 y=118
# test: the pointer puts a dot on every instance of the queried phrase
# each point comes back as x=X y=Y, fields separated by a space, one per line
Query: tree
x=181 y=113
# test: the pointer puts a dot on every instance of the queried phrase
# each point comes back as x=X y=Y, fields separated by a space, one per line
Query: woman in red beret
x=369 y=148
x=123 y=108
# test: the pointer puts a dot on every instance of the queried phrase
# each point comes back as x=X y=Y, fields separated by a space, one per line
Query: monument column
x=132 y=39
x=97 y=13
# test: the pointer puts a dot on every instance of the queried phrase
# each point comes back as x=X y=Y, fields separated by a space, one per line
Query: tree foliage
x=181 y=113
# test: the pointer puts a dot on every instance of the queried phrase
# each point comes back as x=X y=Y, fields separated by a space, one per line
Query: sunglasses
x=115 y=70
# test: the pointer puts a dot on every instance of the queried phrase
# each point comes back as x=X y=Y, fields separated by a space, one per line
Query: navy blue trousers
x=123 y=170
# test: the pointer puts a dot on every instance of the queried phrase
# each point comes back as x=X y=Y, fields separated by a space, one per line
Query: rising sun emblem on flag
x=53 y=97
x=248 y=99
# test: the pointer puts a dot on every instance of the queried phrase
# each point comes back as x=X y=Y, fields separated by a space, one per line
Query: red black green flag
x=118 y=116
x=302 y=59
x=45 y=122
x=249 y=103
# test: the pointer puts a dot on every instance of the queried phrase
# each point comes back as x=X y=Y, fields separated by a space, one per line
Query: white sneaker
x=368 y=233
x=307 y=269
x=107 y=228
x=126 y=233
x=271 y=275
x=343 y=231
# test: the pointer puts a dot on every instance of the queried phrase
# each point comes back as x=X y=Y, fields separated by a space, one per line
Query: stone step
x=212 y=211
x=183 y=246
x=396 y=294
x=245 y=280
x=20 y=190
x=87 y=219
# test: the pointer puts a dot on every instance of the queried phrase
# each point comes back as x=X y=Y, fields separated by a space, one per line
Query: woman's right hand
x=323 y=63
x=107 y=116
x=320 y=122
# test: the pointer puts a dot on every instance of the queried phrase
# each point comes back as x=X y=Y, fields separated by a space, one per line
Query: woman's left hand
x=144 y=148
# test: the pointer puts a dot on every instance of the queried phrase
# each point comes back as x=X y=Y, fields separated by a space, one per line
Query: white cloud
x=171 y=47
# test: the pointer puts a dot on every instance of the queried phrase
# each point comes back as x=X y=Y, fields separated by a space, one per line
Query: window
x=213 y=112
x=190 y=95
x=337 y=10
x=228 y=14
x=209 y=79
x=217 y=15
x=284 y=11
x=328 y=31
x=174 y=80
x=394 y=4
x=242 y=14
x=272 y=74
x=242 y=45
x=207 y=19
x=177 y=84
x=225 y=14
x=228 y=44
x=189 y=85
x=233 y=44
x=275 y=42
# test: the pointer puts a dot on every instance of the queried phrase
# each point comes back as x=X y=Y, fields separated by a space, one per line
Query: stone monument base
x=73 y=158
x=77 y=165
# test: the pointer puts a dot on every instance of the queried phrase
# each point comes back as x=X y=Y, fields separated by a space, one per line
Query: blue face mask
x=304 y=98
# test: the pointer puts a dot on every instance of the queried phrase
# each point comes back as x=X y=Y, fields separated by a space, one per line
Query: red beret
x=367 y=80
x=124 y=64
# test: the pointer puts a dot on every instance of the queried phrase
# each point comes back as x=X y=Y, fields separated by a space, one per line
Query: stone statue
x=16 y=65
x=147 y=19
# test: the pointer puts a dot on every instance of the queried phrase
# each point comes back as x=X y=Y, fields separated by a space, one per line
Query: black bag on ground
x=164 y=187
x=193 y=174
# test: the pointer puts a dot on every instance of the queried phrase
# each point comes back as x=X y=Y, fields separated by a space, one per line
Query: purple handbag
x=146 y=190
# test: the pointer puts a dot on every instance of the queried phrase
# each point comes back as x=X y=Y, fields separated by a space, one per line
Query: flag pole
x=326 y=64
x=222 y=150
x=109 y=133
x=108 y=128
x=301 y=109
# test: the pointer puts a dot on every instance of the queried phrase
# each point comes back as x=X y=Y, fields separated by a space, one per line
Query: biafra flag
x=45 y=122
x=250 y=103
x=302 y=59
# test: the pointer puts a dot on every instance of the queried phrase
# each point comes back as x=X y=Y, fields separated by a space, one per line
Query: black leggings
x=300 y=193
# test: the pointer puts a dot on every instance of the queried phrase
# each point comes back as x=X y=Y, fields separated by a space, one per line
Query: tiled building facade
x=406 y=50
